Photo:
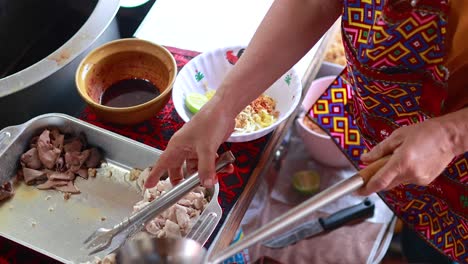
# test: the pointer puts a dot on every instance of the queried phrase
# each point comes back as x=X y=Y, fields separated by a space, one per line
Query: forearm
x=456 y=124
x=286 y=34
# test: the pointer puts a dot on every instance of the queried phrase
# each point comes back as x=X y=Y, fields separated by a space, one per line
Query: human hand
x=196 y=143
x=419 y=153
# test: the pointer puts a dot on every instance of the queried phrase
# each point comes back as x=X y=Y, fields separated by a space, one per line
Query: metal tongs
x=111 y=239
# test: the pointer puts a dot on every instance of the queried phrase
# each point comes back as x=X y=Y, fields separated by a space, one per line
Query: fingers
x=382 y=149
x=155 y=174
x=384 y=178
x=170 y=159
x=175 y=175
x=206 y=167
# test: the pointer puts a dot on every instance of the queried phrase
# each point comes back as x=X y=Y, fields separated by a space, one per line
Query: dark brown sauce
x=129 y=92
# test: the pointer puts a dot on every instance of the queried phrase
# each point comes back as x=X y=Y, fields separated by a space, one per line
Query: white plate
x=211 y=67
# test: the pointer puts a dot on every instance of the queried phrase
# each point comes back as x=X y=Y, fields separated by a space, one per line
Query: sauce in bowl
x=129 y=92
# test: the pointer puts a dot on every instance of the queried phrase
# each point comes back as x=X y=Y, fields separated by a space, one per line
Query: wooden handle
x=372 y=168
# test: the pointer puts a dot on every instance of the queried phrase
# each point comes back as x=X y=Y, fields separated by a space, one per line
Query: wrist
x=456 y=127
x=221 y=108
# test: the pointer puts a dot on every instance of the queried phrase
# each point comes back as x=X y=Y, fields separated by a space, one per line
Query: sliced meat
x=48 y=154
x=33 y=142
x=74 y=160
x=33 y=176
x=94 y=158
x=6 y=191
x=69 y=188
x=51 y=184
x=30 y=159
x=83 y=139
x=74 y=145
x=57 y=138
x=83 y=173
x=60 y=164
x=66 y=176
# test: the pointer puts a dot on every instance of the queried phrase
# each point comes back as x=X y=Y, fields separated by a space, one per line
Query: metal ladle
x=182 y=250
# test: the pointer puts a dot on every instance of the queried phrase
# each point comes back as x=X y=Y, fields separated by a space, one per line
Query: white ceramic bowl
x=209 y=69
x=321 y=147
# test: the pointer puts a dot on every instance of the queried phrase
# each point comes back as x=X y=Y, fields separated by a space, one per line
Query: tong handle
x=171 y=197
x=372 y=168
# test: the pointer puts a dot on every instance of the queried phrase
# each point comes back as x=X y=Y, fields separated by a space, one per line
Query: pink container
x=321 y=147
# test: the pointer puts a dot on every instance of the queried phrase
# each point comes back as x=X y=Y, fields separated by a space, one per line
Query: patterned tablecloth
x=156 y=132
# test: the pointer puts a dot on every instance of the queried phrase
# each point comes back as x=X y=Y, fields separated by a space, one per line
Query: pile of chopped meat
x=54 y=160
x=179 y=218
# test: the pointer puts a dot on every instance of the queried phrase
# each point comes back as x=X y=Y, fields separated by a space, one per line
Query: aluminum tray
x=45 y=222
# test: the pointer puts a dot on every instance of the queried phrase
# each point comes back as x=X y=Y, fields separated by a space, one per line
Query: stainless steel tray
x=45 y=222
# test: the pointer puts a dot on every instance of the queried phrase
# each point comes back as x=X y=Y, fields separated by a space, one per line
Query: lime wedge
x=195 y=101
x=306 y=182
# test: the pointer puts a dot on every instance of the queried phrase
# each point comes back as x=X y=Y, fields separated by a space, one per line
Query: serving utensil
x=113 y=238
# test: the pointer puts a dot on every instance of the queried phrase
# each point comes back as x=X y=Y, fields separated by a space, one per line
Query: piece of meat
x=47 y=153
x=94 y=158
x=198 y=199
x=92 y=172
x=51 y=184
x=57 y=138
x=73 y=145
x=143 y=177
x=164 y=185
x=109 y=259
x=170 y=214
x=183 y=219
x=172 y=229
x=66 y=176
x=153 y=227
x=185 y=202
x=69 y=188
x=33 y=176
x=83 y=139
x=30 y=159
x=74 y=160
x=134 y=174
x=33 y=142
x=83 y=173
x=6 y=190
x=60 y=164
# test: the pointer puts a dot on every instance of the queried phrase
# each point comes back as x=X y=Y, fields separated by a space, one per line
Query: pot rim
x=97 y=23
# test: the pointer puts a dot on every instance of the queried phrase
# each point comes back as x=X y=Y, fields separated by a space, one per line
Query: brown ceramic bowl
x=120 y=60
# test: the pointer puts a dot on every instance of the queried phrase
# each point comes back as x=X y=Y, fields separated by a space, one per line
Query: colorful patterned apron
x=396 y=77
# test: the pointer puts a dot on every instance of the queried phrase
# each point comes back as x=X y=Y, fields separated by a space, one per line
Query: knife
x=355 y=213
